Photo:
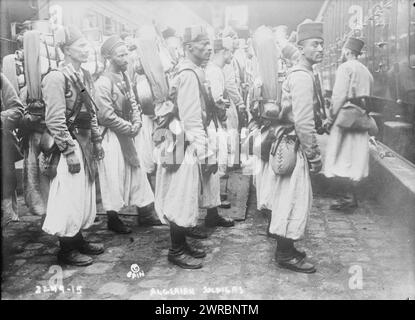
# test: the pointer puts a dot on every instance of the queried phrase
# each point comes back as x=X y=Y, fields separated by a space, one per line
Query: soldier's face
x=119 y=57
x=312 y=50
x=79 y=50
x=227 y=55
x=201 y=50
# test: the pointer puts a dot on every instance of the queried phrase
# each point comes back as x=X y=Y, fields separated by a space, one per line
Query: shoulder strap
x=77 y=107
x=202 y=88
x=317 y=94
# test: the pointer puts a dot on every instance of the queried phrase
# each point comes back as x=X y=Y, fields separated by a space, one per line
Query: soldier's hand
x=74 y=165
x=98 y=151
x=135 y=129
x=315 y=165
x=327 y=124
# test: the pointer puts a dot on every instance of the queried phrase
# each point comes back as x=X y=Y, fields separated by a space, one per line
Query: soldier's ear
x=188 y=47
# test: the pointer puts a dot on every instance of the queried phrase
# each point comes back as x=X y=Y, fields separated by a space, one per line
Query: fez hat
x=195 y=34
x=110 y=44
x=168 y=32
x=354 y=44
x=309 y=30
x=243 y=33
x=68 y=35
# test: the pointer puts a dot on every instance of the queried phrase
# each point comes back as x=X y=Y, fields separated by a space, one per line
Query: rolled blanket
x=267 y=55
x=31 y=45
x=153 y=68
x=9 y=70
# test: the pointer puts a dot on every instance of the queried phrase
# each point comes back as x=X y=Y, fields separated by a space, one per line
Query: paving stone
x=111 y=254
x=19 y=262
x=34 y=246
x=161 y=272
x=113 y=288
x=154 y=283
x=98 y=268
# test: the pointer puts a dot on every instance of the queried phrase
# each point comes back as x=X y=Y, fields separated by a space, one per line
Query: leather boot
x=297 y=253
x=287 y=258
x=224 y=203
x=213 y=219
x=147 y=216
x=7 y=211
x=69 y=255
x=86 y=247
x=115 y=224
x=177 y=254
x=193 y=251
x=196 y=232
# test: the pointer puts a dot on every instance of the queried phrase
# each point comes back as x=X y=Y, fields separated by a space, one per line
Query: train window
x=411 y=35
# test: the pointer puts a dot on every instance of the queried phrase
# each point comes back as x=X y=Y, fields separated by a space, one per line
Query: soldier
x=217 y=136
x=233 y=91
x=11 y=116
x=293 y=196
x=71 y=120
x=122 y=181
x=177 y=184
x=347 y=154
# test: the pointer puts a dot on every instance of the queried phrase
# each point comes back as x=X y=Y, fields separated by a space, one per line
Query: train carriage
x=388 y=29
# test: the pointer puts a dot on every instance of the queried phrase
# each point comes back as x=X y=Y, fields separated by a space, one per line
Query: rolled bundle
x=9 y=70
x=267 y=55
x=31 y=47
x=150 y=60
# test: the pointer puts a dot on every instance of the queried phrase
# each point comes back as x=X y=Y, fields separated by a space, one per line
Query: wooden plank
x=238 y=192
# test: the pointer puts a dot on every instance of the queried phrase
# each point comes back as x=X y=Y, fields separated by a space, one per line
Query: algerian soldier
x=347 y=154
x=71 y=120
x=178 y=183
x=122 y=181
x=293 y=195
x=233 y=91
x=11 y=116
x=222 y=55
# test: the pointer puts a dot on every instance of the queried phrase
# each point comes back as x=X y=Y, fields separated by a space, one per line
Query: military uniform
x=177 y=191
x=293 y=195
x=11 y=114
x=71 y=205
x=292 y=200
x=122 y=181
x=235 y=97
x=347 y=153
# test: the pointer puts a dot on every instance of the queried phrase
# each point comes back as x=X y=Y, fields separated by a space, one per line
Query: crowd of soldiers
x=186 y=125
